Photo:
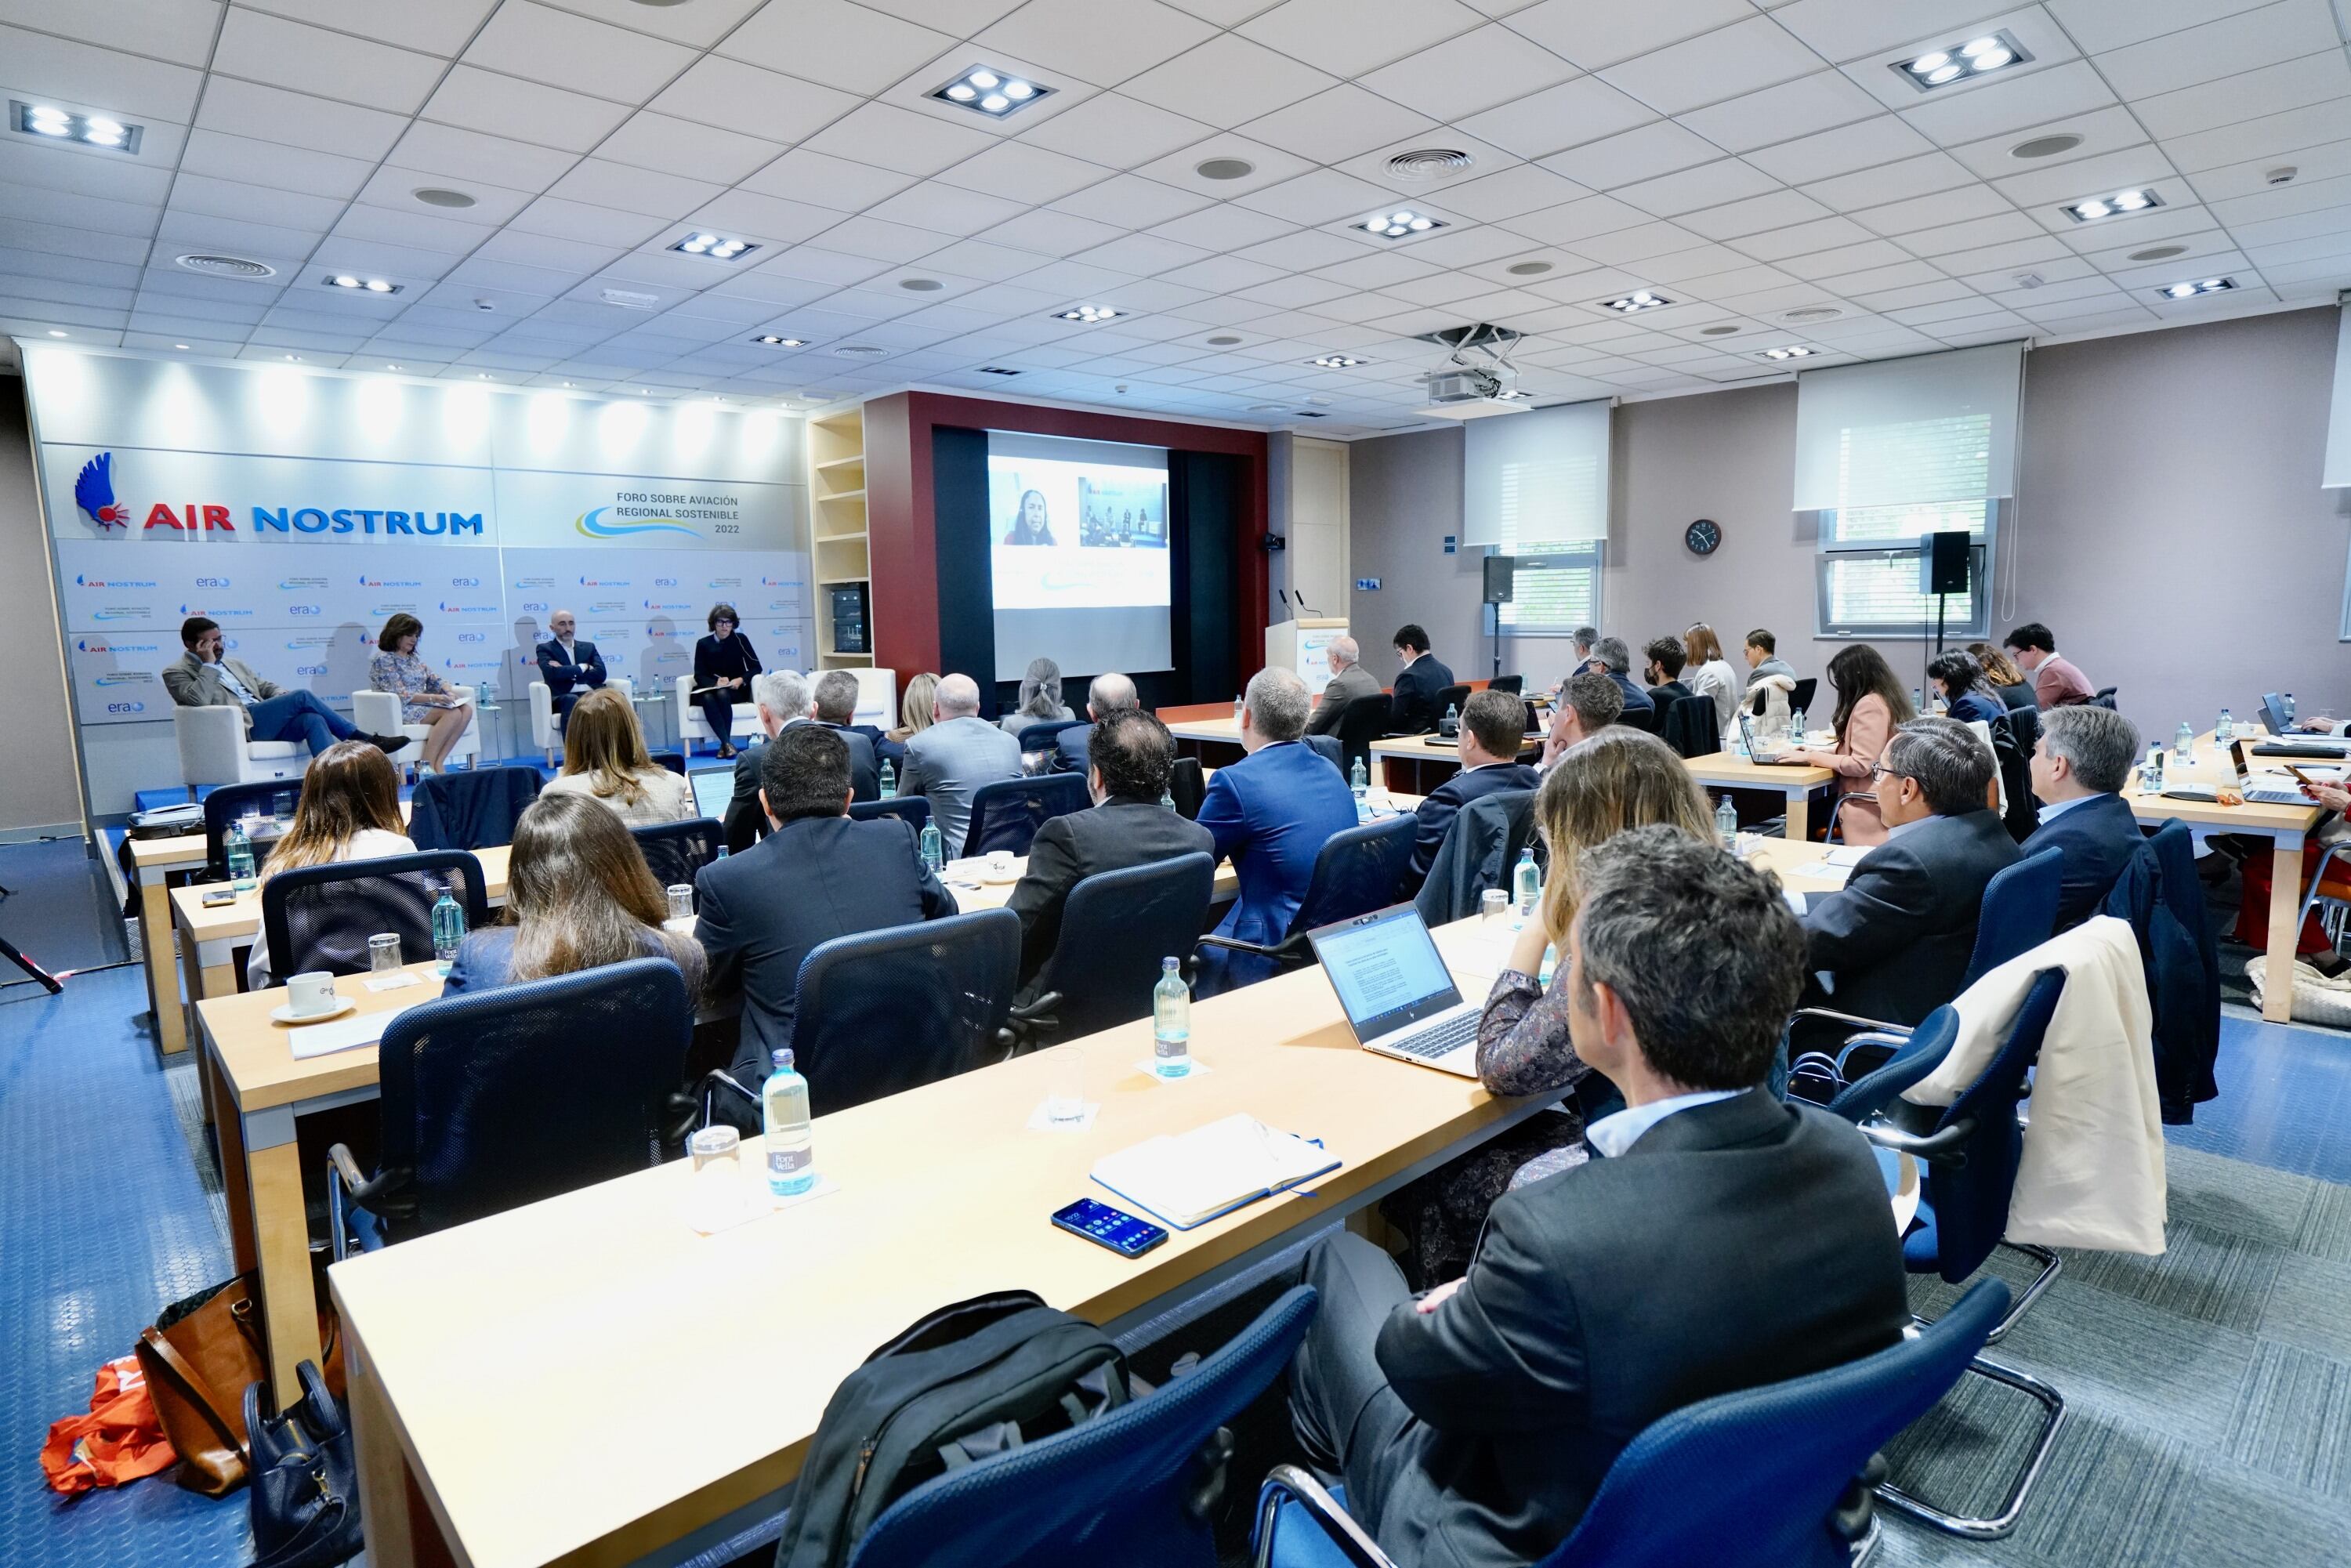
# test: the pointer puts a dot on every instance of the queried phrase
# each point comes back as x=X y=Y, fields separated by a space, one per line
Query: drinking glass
x=1492 y=905
x=383 y=952
x=681 y=901
x=1065 y=1088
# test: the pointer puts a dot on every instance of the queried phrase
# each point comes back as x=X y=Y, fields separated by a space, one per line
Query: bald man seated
x=1349 y=680
x=948 y=762
x=1110 y=692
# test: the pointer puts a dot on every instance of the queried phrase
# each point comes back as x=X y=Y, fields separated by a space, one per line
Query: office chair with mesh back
x=2105 y=698
x=1644 y=719
x=673 y=760
x=674 y=852
x=232 y=802
x=1139 y=1486
x=1365 y=720
x=1774 y=1477
x=893 y=1010
x=1452 y=696
x=1692 y=727
x=473 y=810
x=320 y=916
x=1800 y=699
x=2018 y=914
x=500 y=1098
x=915 y=810
x=1188 y=786
x=1045 y=734
x=1328 y=748
x=1006 y=815
x=1115 y=928
x=1357 y=871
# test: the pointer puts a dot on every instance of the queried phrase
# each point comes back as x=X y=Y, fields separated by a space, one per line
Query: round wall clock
x=1703 y=537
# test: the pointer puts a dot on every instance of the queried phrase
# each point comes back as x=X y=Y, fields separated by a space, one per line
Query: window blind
x=2338 y=419
x=1886 y=443
x=1538 y=475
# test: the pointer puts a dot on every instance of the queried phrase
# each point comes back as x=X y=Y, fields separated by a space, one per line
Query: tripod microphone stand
x=8 y=950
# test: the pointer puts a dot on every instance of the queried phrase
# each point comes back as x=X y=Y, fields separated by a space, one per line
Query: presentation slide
x=1077 y=542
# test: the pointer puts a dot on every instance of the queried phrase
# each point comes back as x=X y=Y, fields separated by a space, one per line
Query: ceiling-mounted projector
x=1480 y=379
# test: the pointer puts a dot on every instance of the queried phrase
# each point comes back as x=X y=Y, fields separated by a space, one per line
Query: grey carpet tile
x=2175 y=1374
x=2239 y=1199
x=2293 y=1421
x=2212 y=1275
x=2227 y=1516
x=2108 y=1497
x=1962 y=1455
x=2310 y=1306
x=2327 y=1223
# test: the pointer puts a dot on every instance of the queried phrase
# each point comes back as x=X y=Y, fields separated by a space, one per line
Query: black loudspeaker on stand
x=1951 y=561
x=1501 y=587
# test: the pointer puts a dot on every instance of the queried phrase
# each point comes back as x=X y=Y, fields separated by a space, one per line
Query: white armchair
x=877 y=698
x=543 y=733
x=690 y=724
x=378 y=713
x=214 y=750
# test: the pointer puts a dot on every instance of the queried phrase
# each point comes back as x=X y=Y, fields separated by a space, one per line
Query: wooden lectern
x=1304 y=645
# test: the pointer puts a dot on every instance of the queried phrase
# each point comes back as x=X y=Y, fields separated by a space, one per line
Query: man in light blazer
x=1349 y=680
x=948 y=762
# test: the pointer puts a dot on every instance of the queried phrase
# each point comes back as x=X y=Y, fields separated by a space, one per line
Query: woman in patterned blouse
x=424 y=698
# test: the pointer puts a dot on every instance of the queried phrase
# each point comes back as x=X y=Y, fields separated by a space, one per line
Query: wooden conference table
x=152 y=863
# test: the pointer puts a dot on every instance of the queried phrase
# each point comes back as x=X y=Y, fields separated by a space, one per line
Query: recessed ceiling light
x=441 y=196
x=1514 y=395
x=55 y=333
x=922 y=285
x=1224 y=168
x=1964 y=61
x=1337 y=361
x=2201 y=286
x=179 y=345
x=1400 y=223
x=2122 y=204
x=1528 y=268
x=2046 y=146
x=50 y=123
x=1223 y=341
x=1089 y=313
x=718 y=248
x=994 y=93
x=773 y=341
x=1793 y=352
x=396 y=367
x=296 y=359
x=1638 y=300
x=2159 y=253
x=1716 y=331
x=351 y=281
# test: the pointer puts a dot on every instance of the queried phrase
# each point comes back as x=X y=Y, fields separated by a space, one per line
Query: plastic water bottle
x=239 y=851
x=1526 y=884
x=2183 y=745
x=1726 y=822
x=448 y=928
x=1796 y=727
x=1359 y=785
x=784 y=1116
x=1918 y=700
x=1171 y=1022
x=1452 y=725
x=2225 y=731
x=2150 y=773
x=1166 y=799
x=2289 y=707
x=934 y=850
x=888 y=780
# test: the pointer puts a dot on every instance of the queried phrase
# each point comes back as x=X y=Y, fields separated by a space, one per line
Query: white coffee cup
x=307 y=996
x=999 y=862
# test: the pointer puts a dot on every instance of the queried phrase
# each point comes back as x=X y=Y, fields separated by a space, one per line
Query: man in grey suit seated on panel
x=1349 y=680
x=948 y=762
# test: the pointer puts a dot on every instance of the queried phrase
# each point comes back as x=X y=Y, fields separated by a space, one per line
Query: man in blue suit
x=1271 y=813
x=2079 y=766
x=569 y=667
x=1493 y=730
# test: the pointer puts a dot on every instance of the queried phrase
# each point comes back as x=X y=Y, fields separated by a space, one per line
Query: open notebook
x=1195 y=1176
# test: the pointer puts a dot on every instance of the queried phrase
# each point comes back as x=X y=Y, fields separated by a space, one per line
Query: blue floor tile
x=2285 y=1100
x=60 y=910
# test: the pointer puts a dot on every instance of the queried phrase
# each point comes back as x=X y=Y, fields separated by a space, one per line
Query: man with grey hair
x=782 y=699
x=1587 y=705
x=1349 y=680
x=2079 y=766
x=1107 y=694
x=1611 y=658
x=1270 y=814
x=1581 y=643
x=834 y=697
x=948 y=762
x=1893 y=943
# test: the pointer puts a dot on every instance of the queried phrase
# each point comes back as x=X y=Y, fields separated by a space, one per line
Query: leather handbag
x=199 y=1358
x=305 y=1493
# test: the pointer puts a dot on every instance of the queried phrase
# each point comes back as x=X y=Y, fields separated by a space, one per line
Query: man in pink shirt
x=2055 y=682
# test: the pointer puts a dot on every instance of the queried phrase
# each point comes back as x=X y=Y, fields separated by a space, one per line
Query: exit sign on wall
x=1367 y=585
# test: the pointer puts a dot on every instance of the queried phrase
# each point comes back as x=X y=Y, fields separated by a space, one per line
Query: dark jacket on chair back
x=808 y=882
x=1735 y=1244
x=1445 y=802
x=1897 y=937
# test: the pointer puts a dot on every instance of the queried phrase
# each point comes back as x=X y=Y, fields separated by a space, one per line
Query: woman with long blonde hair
x=604 y=758
x=1710 y=673
x=914 y=716
x=348 y=810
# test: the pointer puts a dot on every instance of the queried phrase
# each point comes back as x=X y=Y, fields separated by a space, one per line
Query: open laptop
x=1398 y=995
x=1760 y=749
x=714 y=789
x=2272 y=790
x=2289 y=743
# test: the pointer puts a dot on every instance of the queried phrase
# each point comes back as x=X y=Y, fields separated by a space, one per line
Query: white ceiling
x=1746 y=158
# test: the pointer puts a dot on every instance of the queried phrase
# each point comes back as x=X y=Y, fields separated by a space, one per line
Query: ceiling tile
x=1847 y=30
x=1777 y=114
x=1349 y=38
x=1802 y=239
x=560 y=219
x=1323 y=196
x=600 y=183
x=700 y=24
x=2302 y=196
x=1645 y=243
x=1571 y=222
x=2313 y=78
x=1501 y=196
x=1101 y=41
x=526 y=112
x=1595 y=35
x=1049 y=233
x=716 y=90
x=1974 y=236
x=1267 y=165
x=2311 y=163
x=1475 y=71
x=472 y=157
x=1951 y=206
x=273 y=164
x=1129 y=200
x=682 y=148
x=1708 y=185
x=1777 y=210
x=1727 y=63
x=1659 y=147
x=774 y=219
x=1225 y=227
x=825 y=180
x=1922 y=175
x=1884 y=140
x=949 y=209
x=542 y=45
x=103 y=79
x=286 y=54
x=1116 y=130
x=2074 y=88
x=263 y=113
x=1227 y=81
x=835 y=43
x=2266 y=37
x=899 y=139
x=2102 y=131
x=1143 y=254
x=2262 y=139
x=1019 y=172
x=1334 y=126
x=1567 y=115
x=1845 y=259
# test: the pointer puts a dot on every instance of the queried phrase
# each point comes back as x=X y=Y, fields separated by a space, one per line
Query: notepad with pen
x=1189 y=1178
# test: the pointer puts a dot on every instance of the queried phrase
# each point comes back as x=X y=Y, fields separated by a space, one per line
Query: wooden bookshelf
x=839 y=546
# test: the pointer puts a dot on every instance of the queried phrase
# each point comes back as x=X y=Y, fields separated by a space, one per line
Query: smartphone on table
x=1100 y=1224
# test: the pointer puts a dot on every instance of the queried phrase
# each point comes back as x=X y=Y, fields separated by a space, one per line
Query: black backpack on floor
x=973 y=1379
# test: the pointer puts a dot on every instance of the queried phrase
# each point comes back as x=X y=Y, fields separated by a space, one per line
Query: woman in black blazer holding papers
x=724 y=664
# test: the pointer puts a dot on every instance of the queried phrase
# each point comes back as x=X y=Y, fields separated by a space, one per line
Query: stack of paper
x=341 y=1034
x=1209 y=1171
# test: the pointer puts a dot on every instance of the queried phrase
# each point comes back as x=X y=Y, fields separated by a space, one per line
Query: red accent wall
x=903 y=530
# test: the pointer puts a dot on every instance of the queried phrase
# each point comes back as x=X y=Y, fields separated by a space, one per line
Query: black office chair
x=320 y=916
x=1328 y=748
x=1115 y=928
x=673 y=760
x=474 y=809
x=501 y=1098
x=1365 y=720
x=674 y=852
x=914 y=809
x=1006 y=815
x=1800 y=699
x=1514 y=684
x=1693 y=727
x=889 y=1010
x=1452 y=696
x=2105 y=698
x=1356 y=871
x=231 y=802
x=1644 y=719
x=1188 y=786
x=1042 y=737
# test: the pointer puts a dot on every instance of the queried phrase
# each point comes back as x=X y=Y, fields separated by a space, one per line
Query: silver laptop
x=713 y=789
x=1398 y=995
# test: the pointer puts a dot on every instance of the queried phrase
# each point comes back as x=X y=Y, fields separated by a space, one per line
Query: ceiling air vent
x=860 y=351
x=1813 y=313
x=997 y=370
x=226 y=265
x=1428 y=163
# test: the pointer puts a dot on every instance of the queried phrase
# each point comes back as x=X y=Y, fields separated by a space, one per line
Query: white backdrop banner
x=300 y=509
